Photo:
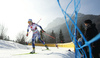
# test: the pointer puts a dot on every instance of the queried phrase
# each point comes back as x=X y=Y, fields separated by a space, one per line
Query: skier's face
x=29 y=22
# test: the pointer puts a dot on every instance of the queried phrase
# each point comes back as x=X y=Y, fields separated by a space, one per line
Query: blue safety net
x=71 y=24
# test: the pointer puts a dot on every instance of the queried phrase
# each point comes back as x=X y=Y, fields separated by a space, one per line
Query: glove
x=42 y=30
x=27 y=34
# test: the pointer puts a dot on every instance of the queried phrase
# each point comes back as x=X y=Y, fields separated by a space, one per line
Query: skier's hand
x=27 y=34
x=42 y=30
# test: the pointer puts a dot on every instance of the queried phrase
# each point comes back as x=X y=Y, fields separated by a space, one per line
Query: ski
x=45 y=49
x=26 y=53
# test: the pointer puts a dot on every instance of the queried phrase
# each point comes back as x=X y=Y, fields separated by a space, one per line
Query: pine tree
x=2 y=32
x=52 y=40
x=61 y=37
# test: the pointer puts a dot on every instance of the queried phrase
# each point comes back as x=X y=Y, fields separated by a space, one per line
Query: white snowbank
x=11 y=45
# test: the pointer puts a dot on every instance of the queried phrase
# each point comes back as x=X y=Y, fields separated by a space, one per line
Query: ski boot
x=33 y=51
x=46 y=47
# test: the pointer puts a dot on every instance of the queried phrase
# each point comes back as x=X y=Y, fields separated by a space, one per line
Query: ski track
x=12 y=50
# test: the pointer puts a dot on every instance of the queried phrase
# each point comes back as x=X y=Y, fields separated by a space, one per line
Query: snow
x=10 y=49
x=11 y=45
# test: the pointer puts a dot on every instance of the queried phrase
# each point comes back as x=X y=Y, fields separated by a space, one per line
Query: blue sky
x=14 y=14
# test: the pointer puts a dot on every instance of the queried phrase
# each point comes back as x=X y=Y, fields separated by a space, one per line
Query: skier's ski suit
x=35 y=34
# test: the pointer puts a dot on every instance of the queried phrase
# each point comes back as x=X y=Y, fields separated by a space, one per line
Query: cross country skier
x=33 y=27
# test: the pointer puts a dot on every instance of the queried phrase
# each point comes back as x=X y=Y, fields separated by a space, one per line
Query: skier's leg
x=39 y=37
x=38 y=34
x=33 y=43
x=43 y=43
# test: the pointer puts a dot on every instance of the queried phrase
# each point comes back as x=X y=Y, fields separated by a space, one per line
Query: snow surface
x=10 y=49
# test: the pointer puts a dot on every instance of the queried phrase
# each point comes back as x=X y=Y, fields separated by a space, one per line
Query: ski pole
x=49 y=35
x=38 y=21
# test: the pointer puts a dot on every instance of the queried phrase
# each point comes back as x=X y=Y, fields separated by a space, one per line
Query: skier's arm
x=27 y=31
x=40 y=28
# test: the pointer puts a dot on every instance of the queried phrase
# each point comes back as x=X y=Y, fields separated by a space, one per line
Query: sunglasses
x=29 y=21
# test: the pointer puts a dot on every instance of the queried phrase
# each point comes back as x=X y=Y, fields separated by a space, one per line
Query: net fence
x=71 y=23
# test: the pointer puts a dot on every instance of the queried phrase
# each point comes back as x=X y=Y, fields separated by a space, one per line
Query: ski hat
x=88 y=21
x=30 y=20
